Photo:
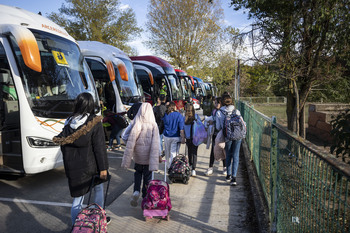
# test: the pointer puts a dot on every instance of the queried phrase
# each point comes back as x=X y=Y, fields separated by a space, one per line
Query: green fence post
x=273 y=175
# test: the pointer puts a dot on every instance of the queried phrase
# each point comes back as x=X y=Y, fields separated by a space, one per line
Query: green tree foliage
x=185 y=31
x=305 y=40
x=341 y=135
x=98 y=20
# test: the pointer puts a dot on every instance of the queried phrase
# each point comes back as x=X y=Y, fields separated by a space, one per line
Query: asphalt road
x=41 y=202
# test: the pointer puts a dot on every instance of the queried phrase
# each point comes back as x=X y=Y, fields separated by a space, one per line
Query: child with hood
x=142 y=145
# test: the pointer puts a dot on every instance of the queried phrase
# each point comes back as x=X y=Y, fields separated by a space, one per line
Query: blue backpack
x=234 y=127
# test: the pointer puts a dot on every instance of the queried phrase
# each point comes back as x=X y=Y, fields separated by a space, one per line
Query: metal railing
x=306 y=190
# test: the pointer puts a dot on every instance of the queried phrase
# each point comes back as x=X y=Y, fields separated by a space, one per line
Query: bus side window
x=9 y=114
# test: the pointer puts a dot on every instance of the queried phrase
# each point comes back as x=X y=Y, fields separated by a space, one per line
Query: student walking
x=215 y=114
x=159 y=111
x=232 y=147
x=115 y=132
x=208 y=105
x=173 y=132
x=84 y=152
x=192 y=149
x=142 y=145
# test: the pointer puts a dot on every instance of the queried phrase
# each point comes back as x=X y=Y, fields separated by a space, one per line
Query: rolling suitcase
x=92 y=218
x=179 y=169
x=157 y=201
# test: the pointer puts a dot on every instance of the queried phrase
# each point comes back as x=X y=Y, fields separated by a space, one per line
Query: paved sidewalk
x=206 y=204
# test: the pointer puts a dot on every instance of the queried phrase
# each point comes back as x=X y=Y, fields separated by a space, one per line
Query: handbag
x=199 y=132
x=121 y=121
x=219 y=147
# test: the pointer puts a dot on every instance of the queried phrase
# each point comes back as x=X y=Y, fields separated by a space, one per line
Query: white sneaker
x=193 y=173
x=209 y=171
x=134 y=198
x=224 y=172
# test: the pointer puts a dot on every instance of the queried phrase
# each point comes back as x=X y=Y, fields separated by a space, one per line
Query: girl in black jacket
x=84 y=152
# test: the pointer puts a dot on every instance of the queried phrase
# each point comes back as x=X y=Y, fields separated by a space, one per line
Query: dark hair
x=83 y=104
x=209 y=96
x=171 y=107
x=218 y=99
x=227 y=100
x=162 y=98
x=189 y=114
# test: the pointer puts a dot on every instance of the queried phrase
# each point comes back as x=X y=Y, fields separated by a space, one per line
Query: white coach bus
x=41 y=72
x=115 y=78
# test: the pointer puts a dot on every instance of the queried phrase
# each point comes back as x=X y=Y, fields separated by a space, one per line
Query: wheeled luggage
x=179 y=169
x=93 y=217
x=157 y=201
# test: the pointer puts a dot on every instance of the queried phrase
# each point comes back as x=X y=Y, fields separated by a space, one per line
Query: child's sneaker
x=193 y=173
x=233 y=181
x=109 y=148
x=134 y=198
x=209 y=171
x=224 y=172
x=228 y=178
x=118 y=147
x=108 y=219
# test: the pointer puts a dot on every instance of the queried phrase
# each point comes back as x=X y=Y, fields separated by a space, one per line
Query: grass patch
x=277 y=110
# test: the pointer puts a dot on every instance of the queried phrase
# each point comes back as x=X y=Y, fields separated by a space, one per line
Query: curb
x=261 y=207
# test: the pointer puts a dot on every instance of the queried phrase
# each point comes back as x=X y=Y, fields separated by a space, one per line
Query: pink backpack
x=157 y=196
x=90 y=220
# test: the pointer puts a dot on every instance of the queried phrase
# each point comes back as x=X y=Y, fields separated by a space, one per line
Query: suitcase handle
x=92 y=184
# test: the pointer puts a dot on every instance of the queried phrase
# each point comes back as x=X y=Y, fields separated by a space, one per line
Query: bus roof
x=156 y=60
x=106 y=51
x=198 y=79
x=17 y=16
x=180 y=72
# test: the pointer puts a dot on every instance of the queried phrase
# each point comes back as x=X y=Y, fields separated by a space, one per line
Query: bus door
x=103 y=83
x=10 y=137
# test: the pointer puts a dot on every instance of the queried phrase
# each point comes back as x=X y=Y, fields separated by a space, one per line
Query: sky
x=232 y=18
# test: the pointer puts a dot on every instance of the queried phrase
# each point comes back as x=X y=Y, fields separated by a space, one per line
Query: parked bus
x=42 y=71
x=188 y=84
x=114 y=74
x=164 y=79
x=212 y=89
x=200 y=89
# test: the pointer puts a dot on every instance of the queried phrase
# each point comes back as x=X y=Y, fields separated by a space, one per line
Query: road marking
x=16 y=200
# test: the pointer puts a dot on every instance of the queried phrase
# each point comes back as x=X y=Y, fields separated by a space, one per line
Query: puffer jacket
x=143 y=140
x=84 y=153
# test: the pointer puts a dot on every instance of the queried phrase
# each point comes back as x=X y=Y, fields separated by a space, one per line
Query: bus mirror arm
x=26 y=43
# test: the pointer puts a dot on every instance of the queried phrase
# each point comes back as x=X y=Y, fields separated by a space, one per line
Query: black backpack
x=120 y=120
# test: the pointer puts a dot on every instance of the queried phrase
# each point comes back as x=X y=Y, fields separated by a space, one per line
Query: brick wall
x=320 y=116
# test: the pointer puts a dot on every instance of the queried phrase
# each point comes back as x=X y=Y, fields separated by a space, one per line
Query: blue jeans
x=115 y=134
x=161 y=142
x=78 y=201
x=142 y=171
x=232 y=156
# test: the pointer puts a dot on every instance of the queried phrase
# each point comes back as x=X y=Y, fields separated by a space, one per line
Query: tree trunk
x=290 y=106
x=302 y=128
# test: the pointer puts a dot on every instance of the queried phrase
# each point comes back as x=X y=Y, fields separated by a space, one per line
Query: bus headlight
x=40 y=142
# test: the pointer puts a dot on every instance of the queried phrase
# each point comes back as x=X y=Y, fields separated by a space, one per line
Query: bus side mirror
x=110 y=69
x=27 y=44
x=123 y=71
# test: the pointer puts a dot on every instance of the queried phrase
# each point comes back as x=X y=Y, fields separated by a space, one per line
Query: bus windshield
x=175 y=87
x=130 y=90
x=64 y=76
x=185 y=87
